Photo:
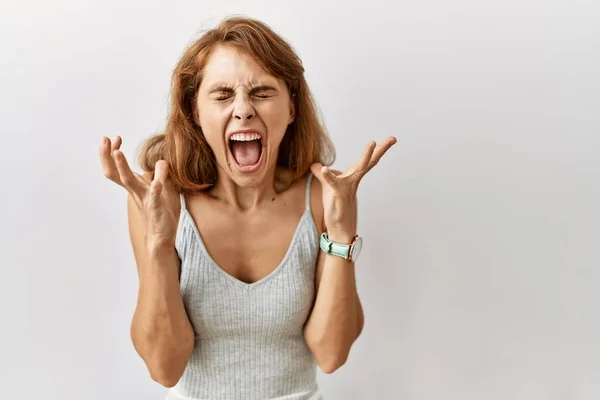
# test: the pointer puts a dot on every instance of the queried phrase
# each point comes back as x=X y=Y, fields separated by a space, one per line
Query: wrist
x=158 y=249
x=162 y=262
x=342 y=245
x=341 y=236
x=158 y=245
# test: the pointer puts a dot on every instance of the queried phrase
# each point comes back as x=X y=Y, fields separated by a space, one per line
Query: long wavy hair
x=191 y=161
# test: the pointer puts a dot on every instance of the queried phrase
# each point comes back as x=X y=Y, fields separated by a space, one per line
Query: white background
x=480 y=273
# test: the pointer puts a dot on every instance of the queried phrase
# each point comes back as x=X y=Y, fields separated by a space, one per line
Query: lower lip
x=249 y=168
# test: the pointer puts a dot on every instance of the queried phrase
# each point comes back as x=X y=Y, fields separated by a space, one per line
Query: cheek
x=212 y=128
x=276 y=118
x=212 y=138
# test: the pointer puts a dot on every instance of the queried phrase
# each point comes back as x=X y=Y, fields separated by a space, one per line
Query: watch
x=346 y=251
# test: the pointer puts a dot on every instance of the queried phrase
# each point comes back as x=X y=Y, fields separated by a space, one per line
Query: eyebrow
x=228 y=89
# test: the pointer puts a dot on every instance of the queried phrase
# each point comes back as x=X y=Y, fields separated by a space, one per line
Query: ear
x=195 y=110
x=195 y=115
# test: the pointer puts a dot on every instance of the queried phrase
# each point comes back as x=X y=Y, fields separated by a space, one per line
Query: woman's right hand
x=152 y=197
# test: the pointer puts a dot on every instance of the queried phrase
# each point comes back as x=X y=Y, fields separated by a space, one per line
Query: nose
x=243 y=110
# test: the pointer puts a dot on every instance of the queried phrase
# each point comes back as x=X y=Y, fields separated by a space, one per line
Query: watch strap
x=336 y=249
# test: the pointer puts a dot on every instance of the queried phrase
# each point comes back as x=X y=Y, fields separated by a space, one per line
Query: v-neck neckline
x=305 y=218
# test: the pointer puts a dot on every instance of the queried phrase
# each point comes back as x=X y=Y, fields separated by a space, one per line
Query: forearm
x=337 y=317
x=161 y=331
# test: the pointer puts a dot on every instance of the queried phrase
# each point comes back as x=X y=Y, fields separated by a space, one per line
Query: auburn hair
x=191 y=161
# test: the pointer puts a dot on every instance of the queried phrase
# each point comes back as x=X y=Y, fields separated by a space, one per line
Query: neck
x=246 y=198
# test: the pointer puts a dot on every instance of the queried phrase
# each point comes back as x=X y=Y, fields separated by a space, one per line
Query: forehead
x=227 y=65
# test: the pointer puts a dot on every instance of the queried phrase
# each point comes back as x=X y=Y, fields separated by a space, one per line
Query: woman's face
x=243 y=112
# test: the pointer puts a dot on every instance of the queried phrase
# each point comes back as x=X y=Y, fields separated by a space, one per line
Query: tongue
x=246 y=153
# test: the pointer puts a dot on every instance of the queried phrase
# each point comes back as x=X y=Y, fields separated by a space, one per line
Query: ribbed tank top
x=249 y=340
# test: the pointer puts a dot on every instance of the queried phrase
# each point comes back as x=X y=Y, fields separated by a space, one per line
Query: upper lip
x=244 y=131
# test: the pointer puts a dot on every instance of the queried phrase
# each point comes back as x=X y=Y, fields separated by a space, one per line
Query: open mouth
x=246 y=149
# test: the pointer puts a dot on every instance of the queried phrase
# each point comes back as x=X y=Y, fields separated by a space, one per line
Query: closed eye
x=224 y=96
x=262 y=95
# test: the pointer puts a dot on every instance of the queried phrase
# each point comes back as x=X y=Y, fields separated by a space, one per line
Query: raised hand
x=339 y=191
x=150 y=196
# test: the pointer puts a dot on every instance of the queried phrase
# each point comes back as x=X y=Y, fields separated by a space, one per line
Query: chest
x=234 y=288
x=252 y=247
x=221 y=306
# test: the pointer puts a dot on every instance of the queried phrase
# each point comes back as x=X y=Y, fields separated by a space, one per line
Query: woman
x=245 y=263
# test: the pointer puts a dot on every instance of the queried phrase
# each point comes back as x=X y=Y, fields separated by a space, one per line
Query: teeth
x=244 y=137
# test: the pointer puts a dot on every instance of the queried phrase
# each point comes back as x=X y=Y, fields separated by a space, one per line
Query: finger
x=381 y=150
x=363 y=164
x=323 y=174
x=316 y=170
x=329 y=176
x=154 y=200
x=109 y=167
x=116 y=143
x=161 y=172
x=128 y=179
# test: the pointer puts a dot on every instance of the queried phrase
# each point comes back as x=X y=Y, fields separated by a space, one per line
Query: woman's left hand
x=339 y=191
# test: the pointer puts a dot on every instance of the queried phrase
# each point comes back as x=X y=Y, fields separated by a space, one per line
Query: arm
x=160 y=329
x=337 y=317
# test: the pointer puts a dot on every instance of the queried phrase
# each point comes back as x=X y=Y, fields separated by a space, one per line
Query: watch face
x=357 y=248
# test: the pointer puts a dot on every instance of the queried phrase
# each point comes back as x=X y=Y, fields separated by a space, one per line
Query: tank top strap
x=182 y=200
x=307 y=191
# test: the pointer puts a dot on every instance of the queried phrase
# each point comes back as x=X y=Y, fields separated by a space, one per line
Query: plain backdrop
x=480 y=272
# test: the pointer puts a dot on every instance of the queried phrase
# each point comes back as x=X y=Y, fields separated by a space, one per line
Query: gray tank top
x=249 y=337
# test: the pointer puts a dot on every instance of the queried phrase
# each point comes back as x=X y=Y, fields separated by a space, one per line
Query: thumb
x=158 y=183
x=155 y=190
x=323 y=174
x=161 y=171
